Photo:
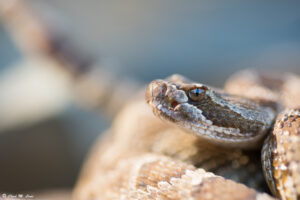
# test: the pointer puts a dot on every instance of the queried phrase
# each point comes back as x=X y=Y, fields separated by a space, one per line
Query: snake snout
x=156 y=90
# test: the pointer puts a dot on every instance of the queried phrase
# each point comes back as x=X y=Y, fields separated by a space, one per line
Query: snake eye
x=197 y=93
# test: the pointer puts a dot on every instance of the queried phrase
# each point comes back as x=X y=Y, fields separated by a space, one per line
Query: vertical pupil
x=197 y=92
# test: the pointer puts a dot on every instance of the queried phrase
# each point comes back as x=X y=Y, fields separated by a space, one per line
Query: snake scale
x=201 y=130
x=204 y=137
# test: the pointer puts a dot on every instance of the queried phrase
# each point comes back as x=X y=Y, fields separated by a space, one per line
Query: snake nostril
x=156 y=89
x=163 y=88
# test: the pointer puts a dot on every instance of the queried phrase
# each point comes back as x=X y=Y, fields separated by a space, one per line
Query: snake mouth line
x=227 y=137
x=218 y=135
x=203 y=128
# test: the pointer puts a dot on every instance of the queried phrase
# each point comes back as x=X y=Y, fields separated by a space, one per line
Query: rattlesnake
x=120 y=166
x=142 y=157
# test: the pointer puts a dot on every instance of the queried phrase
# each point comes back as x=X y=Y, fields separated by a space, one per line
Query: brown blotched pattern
x=254 y=85
x=152 y=176
x=276 y=90
x=281 y=156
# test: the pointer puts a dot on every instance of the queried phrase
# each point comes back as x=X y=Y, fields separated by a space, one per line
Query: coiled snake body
x=142 y=157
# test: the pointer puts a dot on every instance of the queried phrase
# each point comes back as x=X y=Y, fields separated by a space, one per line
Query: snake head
x=209 y=113
x=170 y=100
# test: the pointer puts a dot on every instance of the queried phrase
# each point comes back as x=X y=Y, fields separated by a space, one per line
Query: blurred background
x=45 y=133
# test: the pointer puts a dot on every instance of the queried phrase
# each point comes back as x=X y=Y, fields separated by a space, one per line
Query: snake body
x=142 y=157
x=226 y=129
x=281 y=156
